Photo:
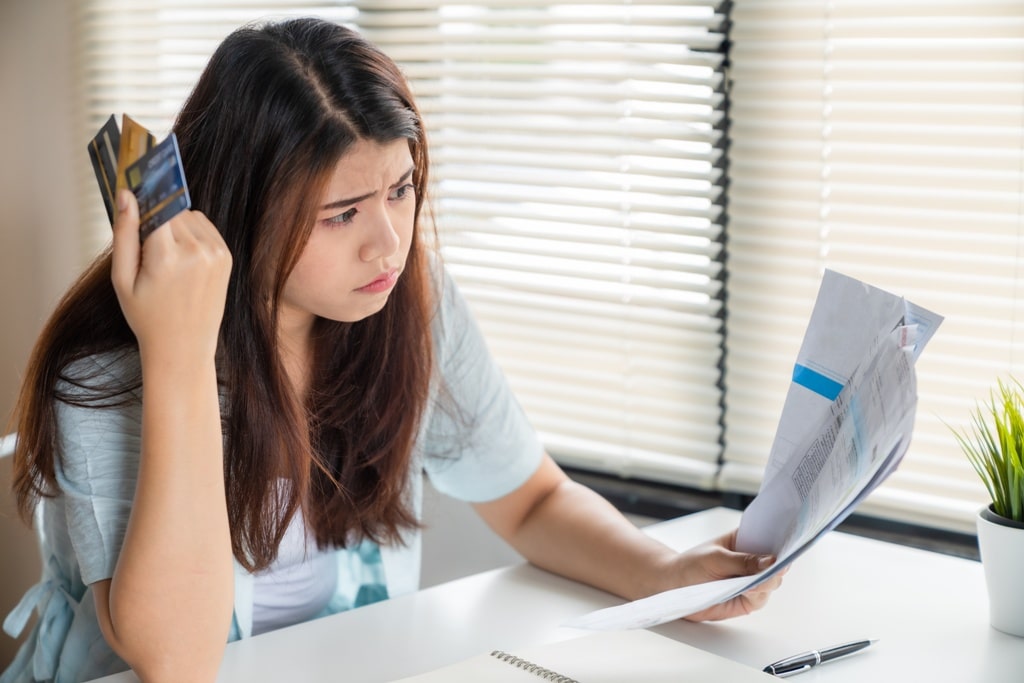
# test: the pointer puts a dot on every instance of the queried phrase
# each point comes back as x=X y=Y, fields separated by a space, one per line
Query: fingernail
x=765 y=561
x=122 y=201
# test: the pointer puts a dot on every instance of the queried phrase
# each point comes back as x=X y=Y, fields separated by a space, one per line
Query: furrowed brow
x=337 y=204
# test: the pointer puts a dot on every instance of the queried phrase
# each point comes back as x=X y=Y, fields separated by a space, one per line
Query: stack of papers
x=845 y=426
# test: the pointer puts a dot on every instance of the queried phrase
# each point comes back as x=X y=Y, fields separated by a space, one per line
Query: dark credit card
x=103 y=152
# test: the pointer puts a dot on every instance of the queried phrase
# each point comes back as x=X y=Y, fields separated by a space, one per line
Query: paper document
x=845 y=426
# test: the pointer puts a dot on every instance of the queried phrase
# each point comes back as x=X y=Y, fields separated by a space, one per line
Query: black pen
x=805 y=660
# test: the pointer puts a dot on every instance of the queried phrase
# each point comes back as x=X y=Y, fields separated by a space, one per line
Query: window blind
x=577 y=182
x=577 y=152
x=882 y=140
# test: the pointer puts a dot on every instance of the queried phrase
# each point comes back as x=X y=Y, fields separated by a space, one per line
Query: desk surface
x=929 y=611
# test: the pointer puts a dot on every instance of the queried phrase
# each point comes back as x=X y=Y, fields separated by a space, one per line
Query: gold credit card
x=135 y=142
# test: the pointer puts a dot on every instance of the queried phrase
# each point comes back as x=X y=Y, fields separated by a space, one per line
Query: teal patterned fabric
x=373 y=587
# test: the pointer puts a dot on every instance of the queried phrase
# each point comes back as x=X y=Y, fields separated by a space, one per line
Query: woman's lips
x=382 y=283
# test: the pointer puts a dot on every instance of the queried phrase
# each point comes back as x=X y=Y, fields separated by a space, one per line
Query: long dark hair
x=275 y=109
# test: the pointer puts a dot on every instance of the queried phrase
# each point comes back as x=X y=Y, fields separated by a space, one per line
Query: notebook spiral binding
x=530 y=667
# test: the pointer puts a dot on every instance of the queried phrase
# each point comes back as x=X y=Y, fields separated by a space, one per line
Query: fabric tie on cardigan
x=56 y=610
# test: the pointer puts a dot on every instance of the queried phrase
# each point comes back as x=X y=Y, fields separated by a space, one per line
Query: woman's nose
x=381 y=239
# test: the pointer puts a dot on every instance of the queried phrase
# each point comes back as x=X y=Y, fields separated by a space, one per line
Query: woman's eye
x=402 y=192
x=342 y=218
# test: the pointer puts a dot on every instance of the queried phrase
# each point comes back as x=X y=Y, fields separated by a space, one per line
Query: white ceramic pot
x=1001 y=542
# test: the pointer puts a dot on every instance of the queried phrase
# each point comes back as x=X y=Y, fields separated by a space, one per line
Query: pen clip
x=788 y=672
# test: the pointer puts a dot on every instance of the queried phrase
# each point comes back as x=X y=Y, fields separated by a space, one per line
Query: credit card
x=136 y=141
x=158 y=181
x=103 y=152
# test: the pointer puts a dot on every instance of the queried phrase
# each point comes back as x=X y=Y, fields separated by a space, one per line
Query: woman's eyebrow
x=337 y=204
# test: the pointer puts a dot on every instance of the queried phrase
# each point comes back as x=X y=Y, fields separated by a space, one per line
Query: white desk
x=929 y=611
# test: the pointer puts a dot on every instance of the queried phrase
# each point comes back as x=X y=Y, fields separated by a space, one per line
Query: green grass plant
x=994 y=445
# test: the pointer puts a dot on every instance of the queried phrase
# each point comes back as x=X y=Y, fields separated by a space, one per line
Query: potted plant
x=994 y=445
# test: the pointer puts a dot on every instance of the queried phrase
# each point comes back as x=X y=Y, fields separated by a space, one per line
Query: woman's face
x=358 y=247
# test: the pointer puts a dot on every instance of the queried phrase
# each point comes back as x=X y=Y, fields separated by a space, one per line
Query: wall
x=457 y=542
x=39 y=246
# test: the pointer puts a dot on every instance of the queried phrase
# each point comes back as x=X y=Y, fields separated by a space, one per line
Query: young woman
x=225 y=428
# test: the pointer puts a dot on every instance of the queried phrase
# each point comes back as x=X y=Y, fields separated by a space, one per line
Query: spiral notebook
x=600 y=657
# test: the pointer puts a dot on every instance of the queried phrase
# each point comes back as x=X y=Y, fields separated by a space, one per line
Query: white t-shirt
x=299 y=583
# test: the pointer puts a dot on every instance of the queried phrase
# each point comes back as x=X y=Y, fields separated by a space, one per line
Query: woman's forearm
x=568 y=529
x=576 y=533
x=170 y=600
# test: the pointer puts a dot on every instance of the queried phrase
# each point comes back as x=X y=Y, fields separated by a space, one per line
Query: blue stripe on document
x=816 y=382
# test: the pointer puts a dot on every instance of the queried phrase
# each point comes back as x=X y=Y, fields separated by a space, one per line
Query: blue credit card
x=158 y=181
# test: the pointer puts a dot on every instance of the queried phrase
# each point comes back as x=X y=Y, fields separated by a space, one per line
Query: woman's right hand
x=172 y=288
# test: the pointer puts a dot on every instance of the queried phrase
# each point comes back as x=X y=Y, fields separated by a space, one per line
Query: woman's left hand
x=719 y=559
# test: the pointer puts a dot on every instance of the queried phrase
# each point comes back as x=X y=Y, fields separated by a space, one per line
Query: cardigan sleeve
x=478 y=443
x=98 y=447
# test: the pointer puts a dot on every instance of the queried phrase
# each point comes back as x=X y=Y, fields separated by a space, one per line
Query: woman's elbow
x=155 y=647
